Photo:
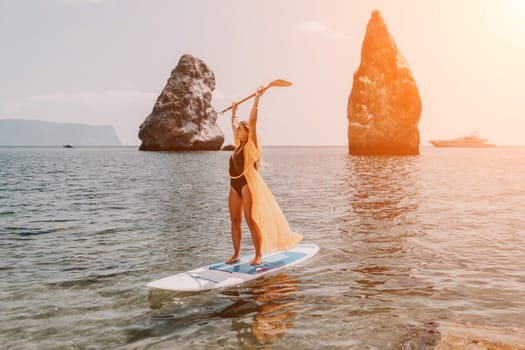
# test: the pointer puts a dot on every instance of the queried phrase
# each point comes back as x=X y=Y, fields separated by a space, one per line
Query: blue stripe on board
x=269 y=263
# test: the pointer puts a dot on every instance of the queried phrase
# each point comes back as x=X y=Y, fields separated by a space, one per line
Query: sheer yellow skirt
x=275 y=231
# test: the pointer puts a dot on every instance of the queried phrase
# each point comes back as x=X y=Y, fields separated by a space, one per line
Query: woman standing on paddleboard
x=249 y=194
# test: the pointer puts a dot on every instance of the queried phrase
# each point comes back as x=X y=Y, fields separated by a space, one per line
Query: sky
x=104 y=62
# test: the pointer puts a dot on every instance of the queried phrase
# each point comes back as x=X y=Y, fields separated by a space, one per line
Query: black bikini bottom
x=238 y=184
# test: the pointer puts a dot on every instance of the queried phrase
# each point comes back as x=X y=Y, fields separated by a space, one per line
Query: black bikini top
x=237 y=162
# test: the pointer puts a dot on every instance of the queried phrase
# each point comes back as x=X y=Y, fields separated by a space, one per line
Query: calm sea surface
x=406 y=244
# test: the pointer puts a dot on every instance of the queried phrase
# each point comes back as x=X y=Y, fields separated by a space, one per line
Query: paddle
x=278 y=83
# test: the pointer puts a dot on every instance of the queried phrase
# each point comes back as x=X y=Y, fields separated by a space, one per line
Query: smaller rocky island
x=183 y=119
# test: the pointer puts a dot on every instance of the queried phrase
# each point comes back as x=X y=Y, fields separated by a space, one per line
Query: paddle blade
x=280 y=82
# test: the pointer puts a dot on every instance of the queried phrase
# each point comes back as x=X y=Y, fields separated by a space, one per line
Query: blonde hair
x=245 y=124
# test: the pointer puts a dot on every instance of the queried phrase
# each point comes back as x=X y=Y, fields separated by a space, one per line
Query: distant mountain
x=22 y=132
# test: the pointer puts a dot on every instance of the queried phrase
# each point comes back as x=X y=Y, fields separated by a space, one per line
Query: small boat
x=473 y=140
x=67 y=146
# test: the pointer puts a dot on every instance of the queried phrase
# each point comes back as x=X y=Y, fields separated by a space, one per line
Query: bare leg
x=235 y=205
x=254 y=228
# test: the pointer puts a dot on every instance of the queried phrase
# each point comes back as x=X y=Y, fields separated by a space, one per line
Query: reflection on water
x=272 y=302
x=382 y=202
x=259 y=314
x=384 y=189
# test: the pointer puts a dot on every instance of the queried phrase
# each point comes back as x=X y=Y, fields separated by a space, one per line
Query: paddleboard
x=222 y=275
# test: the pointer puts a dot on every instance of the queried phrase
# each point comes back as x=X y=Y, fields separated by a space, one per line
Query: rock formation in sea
x=228 y=147
x=384 y=106
x=183 y=118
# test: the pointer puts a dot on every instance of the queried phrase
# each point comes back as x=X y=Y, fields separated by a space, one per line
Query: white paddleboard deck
x=222 y=275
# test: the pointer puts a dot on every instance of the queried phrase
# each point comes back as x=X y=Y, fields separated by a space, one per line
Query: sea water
x=406 y=243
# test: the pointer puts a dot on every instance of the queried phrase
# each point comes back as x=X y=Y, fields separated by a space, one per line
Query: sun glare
x=505 y=20
x=514 y=15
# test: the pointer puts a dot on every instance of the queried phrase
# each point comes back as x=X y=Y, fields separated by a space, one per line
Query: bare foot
x=232 y=260
x=256 y=261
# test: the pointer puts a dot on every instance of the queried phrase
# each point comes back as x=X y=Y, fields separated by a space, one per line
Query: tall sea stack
x=384 y=106
x=183 y=118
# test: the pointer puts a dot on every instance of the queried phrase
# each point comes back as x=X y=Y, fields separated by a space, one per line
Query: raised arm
x=252 y=122
x=234 y=122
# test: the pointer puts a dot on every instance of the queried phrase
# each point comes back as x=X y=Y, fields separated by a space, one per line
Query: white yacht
x=472 y=140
